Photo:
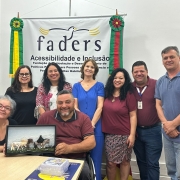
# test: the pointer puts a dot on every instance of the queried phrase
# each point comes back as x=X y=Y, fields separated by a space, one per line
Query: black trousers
x=85 y=173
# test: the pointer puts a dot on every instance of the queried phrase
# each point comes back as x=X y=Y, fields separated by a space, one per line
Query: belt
x=151 y=126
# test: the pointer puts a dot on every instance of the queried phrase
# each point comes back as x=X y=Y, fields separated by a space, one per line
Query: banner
x=68 y=42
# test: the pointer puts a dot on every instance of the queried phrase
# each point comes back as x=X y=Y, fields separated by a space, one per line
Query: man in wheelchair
x=74 y=132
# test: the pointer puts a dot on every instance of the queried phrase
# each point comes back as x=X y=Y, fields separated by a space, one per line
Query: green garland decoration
x=16 y=45
x=116 y=42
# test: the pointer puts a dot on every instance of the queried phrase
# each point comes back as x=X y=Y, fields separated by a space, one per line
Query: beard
x=65 y=114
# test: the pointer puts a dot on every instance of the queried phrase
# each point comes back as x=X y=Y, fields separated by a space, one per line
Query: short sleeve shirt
x=115 y=116
x=168 y=91
x=71 y=132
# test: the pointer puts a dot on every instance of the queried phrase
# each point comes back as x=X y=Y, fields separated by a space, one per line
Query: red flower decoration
x=116 y=23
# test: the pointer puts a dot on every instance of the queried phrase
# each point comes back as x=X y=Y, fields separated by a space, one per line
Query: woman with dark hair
x=119 y=123
x=7 y=108
x=23 y=93
x=53 y=81
x=89 y=98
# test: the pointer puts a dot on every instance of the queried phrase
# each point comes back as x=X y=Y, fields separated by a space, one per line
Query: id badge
x=140 y=106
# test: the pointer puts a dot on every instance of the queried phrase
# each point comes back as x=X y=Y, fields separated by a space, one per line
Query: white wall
x=150 y=26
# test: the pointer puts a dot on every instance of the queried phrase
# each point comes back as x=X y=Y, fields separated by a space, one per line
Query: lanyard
x=140 y=93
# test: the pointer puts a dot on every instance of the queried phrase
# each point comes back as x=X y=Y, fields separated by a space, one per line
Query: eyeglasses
x=7 y=108
x=24 y=74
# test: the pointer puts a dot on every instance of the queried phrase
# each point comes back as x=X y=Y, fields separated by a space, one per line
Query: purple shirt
x=71 y=131
x=148 y=115
x=115 y=116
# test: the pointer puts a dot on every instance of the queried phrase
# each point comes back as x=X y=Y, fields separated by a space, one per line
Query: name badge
x=140 y=105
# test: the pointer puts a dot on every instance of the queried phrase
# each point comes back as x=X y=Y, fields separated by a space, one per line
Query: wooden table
x=20 y=167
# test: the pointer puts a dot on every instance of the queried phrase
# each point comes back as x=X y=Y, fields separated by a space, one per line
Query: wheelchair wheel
x=91 y=167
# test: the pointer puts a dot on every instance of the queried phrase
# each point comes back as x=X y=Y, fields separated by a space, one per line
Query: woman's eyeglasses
x=24 y=74
x=7 y=108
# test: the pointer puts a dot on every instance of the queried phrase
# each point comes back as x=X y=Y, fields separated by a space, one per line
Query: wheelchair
x=91 y=166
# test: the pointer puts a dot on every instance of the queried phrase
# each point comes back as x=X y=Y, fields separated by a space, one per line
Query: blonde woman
x=89 y=98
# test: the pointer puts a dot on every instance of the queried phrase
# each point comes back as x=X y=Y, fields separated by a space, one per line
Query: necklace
x=113 y=99
x=114 y=96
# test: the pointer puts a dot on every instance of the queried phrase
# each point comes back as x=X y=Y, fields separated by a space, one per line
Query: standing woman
x=7 y=108
x=119 y=123
x=89 y=98
x=23 y=93
x=53 y=81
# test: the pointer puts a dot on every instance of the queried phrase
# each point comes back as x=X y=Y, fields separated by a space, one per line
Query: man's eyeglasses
x=24 y=74
x=7 y=108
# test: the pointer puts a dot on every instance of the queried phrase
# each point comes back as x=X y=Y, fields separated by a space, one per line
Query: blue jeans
x=172 y=156
x=147 y=148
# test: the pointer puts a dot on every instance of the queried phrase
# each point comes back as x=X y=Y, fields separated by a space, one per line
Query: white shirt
x=52 y=101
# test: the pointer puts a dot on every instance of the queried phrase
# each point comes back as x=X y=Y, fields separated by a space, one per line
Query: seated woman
x=7 y=108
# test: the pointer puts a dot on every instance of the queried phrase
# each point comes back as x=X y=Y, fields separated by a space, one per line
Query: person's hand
x=41 y=111
x=4 y=152
x=93 y=125
x=62 y=148
x=174 y=133
x=168 y=126
x=130 y=141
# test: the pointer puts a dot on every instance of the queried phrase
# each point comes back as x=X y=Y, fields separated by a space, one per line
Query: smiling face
x=65 y=106
x=140 y=75
x=119 y=80
x=89 y=69
x=5 y=109
x=171 y=61
x=24 y=76
x=53 y=74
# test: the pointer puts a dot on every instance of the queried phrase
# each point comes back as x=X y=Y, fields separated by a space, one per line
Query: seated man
x=74 y=132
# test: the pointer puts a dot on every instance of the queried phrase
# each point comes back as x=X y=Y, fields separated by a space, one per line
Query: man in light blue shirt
x=167 y=94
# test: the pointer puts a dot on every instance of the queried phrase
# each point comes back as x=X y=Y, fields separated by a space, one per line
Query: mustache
x=64 y=108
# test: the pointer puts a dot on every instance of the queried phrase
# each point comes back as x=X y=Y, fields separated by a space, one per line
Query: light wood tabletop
x=21 y=166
